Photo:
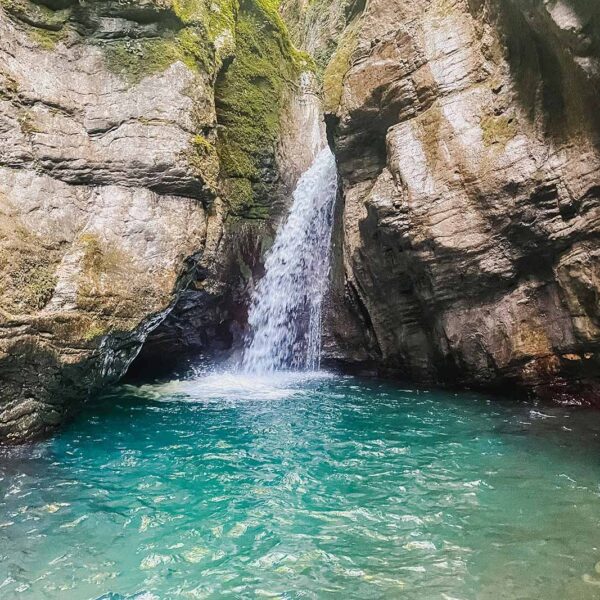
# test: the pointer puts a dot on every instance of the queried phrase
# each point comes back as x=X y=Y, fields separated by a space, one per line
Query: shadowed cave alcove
x=209 y=319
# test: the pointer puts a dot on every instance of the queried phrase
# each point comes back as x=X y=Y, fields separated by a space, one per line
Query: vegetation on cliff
x=249 y=97
x=241 y=47
x=200 y=36
x=338 y=66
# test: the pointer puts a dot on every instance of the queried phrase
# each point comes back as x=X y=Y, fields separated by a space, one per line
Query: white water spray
x=285 y=313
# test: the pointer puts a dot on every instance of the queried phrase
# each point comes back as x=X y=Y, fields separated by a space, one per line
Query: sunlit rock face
x=103 y=195
x=148 y=149
x=143 y=165
x=466 y=135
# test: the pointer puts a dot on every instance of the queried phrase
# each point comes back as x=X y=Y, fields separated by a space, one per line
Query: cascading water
x=285 y=313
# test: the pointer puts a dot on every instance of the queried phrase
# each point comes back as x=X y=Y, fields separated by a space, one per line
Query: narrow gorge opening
x=283 y=326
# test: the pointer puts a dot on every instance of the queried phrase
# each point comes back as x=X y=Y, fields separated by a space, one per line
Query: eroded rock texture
x=148 y=148
x=135 y=137
x=467 y=141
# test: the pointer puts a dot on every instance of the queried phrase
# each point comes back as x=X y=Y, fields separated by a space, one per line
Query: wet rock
x=111 y=201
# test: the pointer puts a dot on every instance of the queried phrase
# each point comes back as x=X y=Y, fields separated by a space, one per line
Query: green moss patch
x=213 y=15
x=207 y=27
x=27 y=265
x=250 y=96
x=97 y=258
x=245 y=200
x=9 y=88
x=40 y=285
x=94 y=330
x=498 y=129
x=37 y=15
x=44 y=26
x=204 y=160
x=27 y=123
x=338 y=66
x=136 y=59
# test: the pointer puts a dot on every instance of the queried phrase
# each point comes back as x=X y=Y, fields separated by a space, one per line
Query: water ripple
x=304 y=486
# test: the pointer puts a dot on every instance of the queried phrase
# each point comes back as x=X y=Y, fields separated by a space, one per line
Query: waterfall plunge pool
x=304 y=486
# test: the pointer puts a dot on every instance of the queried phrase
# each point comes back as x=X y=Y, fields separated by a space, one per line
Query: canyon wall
x=466 y=134
x=138 y=138
x=148 y=149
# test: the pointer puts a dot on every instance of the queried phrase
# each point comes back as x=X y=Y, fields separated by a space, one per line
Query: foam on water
x=285 y=314
x=232 y=387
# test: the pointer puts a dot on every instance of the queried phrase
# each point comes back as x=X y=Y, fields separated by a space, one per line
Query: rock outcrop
x=135 y=138
x=210 y=319
x=148 y=147
x=467 y=140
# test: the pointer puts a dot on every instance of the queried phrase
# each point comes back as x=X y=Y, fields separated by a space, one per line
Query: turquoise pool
x=304 y=486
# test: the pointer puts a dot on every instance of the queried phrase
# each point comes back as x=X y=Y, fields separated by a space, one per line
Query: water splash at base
x=285 y=314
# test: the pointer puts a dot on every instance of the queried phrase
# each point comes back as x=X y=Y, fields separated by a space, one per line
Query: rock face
x=467 y=141
x=128 y=156
x=210 y=318
x=148 y=148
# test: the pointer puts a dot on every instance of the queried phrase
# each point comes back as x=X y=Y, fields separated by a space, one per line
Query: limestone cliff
x=135 y=137
x=467 y=140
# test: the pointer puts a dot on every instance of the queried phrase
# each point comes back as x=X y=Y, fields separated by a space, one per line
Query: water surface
x=304 y=487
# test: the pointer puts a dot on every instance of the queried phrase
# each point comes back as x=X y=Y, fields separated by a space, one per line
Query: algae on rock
x=129 y=132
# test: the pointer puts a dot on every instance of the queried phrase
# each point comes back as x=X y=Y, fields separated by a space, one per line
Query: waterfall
x=285 y=311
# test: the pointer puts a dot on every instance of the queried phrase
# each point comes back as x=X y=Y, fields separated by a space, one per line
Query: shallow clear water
x=304 y=487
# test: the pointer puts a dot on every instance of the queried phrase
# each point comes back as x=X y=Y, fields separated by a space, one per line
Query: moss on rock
x=244 y=200
x=27 y=265
x=46 y=27
x=204 y=159
x=40 y=285
x=338 y=66
x=203 y=40
x=250 y=96
x=136 y=59
x=246 y=42
x=498 y=129
x=97 y=258
x=37 y=15
x=27 y=276
x=94 y=330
